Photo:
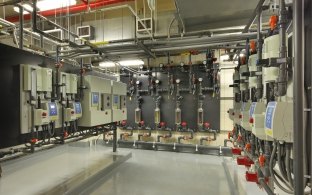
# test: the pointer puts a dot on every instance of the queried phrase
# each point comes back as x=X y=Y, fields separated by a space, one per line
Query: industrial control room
x=149 y=97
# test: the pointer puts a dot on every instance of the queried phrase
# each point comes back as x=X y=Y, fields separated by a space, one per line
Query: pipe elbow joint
x=179 y=139
x=158 y=138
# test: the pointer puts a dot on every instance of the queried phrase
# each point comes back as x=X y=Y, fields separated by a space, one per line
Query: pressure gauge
x=178 y=81
x=157 y=81
x=137 y=82
x=205 y=62
x=200 y=79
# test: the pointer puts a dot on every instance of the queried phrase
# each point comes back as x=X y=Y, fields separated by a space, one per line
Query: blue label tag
x=78 y=107
x=95 y=98
x=252 y=109
x=269 y=115
x=52 y=109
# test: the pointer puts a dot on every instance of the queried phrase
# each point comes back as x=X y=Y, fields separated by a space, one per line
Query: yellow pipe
x=101 y=43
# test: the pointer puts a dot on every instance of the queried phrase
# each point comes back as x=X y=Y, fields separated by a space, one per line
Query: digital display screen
x=52 y=109
x=78 y=107
x=95 y=98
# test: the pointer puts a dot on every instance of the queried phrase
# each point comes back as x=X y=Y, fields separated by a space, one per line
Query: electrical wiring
x=274 y=173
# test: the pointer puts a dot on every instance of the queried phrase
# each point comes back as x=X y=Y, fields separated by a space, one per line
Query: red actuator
x=236 y=151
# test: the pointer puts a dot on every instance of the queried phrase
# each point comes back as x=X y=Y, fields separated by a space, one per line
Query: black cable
x=273 y=173
x=280 y=161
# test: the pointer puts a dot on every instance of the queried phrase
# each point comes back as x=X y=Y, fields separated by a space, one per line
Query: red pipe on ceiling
x=72 y=9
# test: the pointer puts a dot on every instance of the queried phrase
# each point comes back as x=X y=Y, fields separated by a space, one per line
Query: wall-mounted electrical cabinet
x=257 y=115
x=46 y=75
x=279 y=121
x=64 y=82
x=34 y=80
x=68 y=83
x=73 y=83
x=245 y=115
x=119 y=93
x=96 y=103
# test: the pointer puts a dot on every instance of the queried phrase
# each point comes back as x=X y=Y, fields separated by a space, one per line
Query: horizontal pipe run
x=214 y=39
x=187 y=47
x=225 y=150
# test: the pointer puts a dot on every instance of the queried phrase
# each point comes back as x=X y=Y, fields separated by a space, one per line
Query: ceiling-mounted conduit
x=71 y=9
x=187 y=47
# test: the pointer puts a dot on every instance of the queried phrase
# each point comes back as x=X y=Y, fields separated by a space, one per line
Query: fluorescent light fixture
x=107 y=64
x=44 y=5
x=26 y=6
x=131 y=62
x=225 y=57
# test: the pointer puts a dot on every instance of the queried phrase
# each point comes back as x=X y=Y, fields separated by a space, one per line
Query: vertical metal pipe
x=81 y=80
x=21 y=27
x=298 y=29
x=309 y=61
x=282 y=76
x=115 y=137
x=259 y=92
x=34 y=16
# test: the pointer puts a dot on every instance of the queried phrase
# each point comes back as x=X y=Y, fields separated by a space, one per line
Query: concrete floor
x=56 y=170
x=167 y=173
x=61 y=170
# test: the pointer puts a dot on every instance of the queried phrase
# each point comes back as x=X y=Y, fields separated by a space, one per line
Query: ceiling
x=211 y=14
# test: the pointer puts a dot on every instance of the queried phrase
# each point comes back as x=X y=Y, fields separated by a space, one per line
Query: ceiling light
x=107 y=64
x=26 y=6
x=131 y=62
x=44 y=5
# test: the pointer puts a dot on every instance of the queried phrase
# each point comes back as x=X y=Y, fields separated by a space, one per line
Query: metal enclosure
x=119 y=105
x=96 y=104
